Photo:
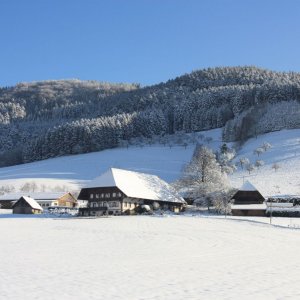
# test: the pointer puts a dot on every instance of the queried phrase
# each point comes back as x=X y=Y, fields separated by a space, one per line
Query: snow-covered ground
x=147 y=258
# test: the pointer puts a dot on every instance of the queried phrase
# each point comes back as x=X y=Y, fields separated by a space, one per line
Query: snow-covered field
x=147 y=258
x=74 y=171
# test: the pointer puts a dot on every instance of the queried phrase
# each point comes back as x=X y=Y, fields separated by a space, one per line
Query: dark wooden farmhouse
x=119 y=191
x=248 y=201
x=26 y=205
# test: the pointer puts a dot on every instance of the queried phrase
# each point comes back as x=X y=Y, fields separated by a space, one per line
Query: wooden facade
x=248 y=197
x=67 y=200
x=112 y=201
x=24 y=207
x=248 y=203
x=249 y=212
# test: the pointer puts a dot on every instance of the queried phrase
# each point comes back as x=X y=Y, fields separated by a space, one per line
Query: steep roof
x=31 y=202
x=137 y=185
x=248 y=187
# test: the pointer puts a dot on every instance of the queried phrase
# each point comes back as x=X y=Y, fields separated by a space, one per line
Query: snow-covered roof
x=36 y=196
x=248 y=187
x=262 y=206
x=31 y=202
x=137 y=185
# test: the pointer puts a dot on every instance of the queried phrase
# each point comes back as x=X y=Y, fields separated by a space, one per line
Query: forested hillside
x=52 y=118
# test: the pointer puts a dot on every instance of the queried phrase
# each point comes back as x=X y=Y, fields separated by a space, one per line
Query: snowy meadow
x=147 y=257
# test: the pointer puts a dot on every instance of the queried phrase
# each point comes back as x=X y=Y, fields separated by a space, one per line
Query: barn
x=248 y=201
x=119 y=191
x=26 y=205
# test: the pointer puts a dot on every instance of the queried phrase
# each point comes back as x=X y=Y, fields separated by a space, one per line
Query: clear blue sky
x=145 y=41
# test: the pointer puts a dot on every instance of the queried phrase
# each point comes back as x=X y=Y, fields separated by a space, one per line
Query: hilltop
x=47 y=119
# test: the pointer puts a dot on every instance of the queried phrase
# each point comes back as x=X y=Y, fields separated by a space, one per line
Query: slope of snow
x=147 y=258
x=285 y=151
x=74 y=171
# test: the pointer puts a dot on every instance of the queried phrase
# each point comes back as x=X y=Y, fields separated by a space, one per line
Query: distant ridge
x=51 y=118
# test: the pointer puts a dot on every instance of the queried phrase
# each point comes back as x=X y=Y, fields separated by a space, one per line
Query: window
x=119 y=194
x=97 y=196
x=107 y=195
x=91 y=196
x=102 y=195
x=114 y=195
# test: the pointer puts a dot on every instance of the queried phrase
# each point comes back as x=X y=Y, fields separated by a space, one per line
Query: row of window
x=105 y=204
x=105 y=195
x=129 y=204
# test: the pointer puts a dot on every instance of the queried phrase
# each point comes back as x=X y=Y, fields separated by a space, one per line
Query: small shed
x=26 y=205
x=248 y=201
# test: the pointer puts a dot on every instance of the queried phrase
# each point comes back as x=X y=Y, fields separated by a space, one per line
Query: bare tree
x=275 y=166
x=243 y=161
x=259 y=163
x=250 y=168
x=266 y=146
x=258 y=151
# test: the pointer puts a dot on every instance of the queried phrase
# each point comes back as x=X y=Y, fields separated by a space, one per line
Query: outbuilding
x=248 y=201
x=26 y=205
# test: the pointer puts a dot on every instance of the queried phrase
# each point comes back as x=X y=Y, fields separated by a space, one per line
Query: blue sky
x=145 y=41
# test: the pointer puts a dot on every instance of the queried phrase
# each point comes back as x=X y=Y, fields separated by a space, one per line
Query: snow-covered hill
x=73 y=171
x=285 y=152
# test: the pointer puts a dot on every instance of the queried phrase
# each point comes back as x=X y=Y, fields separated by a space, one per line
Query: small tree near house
x=203 y=176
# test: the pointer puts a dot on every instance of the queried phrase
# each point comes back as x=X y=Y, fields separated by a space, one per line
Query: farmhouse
x=45 y=199
x=26 y=205
x=119 y=191
x=248 y=201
